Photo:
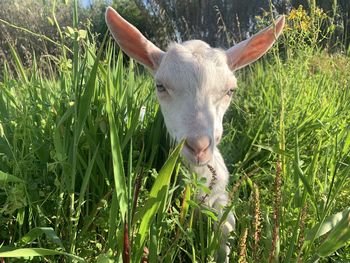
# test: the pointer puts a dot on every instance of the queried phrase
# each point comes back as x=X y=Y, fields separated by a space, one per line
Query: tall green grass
x=88 y=174
x=293 y=115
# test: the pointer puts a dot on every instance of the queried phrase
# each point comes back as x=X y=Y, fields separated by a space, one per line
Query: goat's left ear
x=254 y=47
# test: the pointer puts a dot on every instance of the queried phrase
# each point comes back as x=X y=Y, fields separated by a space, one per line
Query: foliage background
x=82 y=175
x=220 y=23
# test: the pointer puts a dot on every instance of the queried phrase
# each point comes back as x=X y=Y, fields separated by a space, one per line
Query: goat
x=194 y=84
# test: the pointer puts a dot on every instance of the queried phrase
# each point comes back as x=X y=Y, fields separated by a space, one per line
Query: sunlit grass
x=87 y=172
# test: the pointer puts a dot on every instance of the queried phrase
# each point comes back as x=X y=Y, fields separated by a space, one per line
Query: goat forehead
x=194 y=66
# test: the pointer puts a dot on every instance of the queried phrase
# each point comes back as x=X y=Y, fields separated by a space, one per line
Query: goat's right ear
x=132 y=42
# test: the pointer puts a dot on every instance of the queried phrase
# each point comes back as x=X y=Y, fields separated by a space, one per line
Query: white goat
x=194 y=86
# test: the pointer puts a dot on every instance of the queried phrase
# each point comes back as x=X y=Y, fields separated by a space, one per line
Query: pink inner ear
x=253 y=48
x=131 y=41
x=259 y=45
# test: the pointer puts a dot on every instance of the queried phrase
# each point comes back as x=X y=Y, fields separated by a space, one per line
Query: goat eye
x=160 y=88
x=230 y=92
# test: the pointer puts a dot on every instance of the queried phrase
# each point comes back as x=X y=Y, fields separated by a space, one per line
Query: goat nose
x=198 y=145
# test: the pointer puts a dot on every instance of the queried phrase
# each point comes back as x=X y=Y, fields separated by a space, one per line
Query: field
x=88 y=173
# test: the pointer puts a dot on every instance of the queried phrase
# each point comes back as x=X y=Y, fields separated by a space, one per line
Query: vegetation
x=88 y=174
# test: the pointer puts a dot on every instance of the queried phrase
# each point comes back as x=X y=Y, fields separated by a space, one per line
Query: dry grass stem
x=243 y=247
x=276 y=212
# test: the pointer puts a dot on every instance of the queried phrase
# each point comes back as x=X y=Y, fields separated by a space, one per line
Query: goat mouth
x=195 y=163
x=199 y=164
x=191 y=159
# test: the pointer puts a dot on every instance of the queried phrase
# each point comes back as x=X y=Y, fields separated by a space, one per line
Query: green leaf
x=50 y=21
x=192 y=203
x=299 y=171
x=185 y=204
x=274 y=150
x=70 y=32
x=82 y=34
x=210 y=214
x=337 y=238
x=117 y=157
x=36 y=252
x=327 y=225
x=38 y=231
x=18 y=64
x=9 y=178
x=104 y=258
x=85 y=100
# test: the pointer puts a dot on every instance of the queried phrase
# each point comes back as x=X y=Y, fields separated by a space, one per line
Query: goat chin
x=193 y=162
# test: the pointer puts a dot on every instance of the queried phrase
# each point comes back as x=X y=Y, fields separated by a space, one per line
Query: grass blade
x=337 y=238
x=19 y=65
x=39 y=231
x=9 y=178
x=37 y=252
x=327 y=225
x=118 y=167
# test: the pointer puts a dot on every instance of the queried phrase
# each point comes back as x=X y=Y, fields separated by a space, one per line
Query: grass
x=293 y=117
x=88 y=174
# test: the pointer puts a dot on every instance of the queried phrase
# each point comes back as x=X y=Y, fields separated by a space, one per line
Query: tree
x=224 y=22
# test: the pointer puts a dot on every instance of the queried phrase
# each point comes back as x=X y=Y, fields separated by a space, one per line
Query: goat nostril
x=189 y=146
x=198 y=145
x=205 y=148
